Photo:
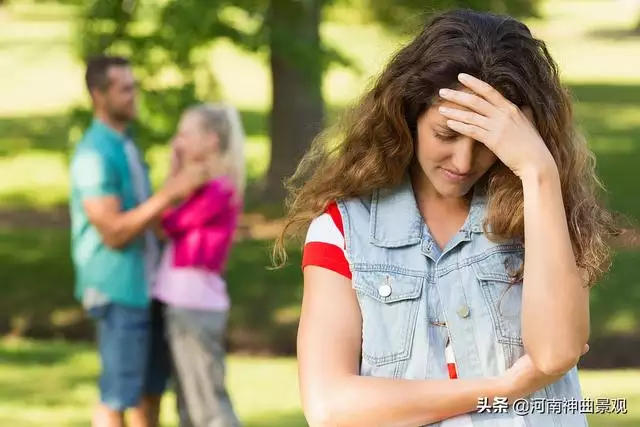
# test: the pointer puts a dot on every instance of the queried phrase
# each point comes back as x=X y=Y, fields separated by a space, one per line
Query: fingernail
x=443 y=109
x=463 y=76
x=444 y=92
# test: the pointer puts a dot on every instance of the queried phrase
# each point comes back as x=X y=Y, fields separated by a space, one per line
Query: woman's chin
x=448 y=190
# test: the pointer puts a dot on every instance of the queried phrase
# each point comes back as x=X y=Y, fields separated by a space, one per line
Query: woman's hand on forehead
x=488 y=117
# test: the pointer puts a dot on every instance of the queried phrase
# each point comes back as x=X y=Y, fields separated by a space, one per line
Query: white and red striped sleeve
x=325 y=245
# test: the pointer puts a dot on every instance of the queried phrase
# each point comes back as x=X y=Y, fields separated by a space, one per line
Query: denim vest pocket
x=389 y=304
x=503 y=298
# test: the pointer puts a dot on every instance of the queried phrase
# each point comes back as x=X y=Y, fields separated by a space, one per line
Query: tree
x=297 y=113
x=169 y=43
x=297 y=56
x=175 y=38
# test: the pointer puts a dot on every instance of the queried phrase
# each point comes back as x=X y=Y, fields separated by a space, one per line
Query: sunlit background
x=48 y=366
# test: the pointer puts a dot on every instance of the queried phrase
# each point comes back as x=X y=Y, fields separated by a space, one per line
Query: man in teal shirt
x=114 y=249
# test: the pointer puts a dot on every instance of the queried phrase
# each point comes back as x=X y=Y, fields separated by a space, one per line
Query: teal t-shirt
x=99 y=168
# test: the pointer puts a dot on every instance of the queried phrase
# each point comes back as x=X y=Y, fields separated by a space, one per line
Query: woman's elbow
x=326 y=409
x=557 y=364
x=318 y=412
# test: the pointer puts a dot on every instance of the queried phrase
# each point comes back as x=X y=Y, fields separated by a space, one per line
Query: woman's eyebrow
x=445 y=130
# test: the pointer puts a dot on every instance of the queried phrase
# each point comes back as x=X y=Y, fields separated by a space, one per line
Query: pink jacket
x=202 y=227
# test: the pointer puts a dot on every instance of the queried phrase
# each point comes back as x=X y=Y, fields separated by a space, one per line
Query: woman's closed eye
x=446 y=135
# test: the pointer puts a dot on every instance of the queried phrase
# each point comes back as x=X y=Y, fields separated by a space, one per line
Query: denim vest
x=413 y=297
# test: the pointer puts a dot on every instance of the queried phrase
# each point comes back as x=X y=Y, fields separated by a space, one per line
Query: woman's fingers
x=484 y=99
x=472 y=131
x=469 y=100
x=468 y=117
x=488 y=92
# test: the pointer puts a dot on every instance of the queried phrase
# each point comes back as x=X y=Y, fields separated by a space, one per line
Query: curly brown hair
x=373 y=145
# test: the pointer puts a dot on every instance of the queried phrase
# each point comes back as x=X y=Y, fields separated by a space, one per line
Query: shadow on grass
x=38 y=292
x=617 y=172
x=265 y=302
x=616 y=142
x=38 y=277
x=48 y=355
x=21 y=392
x=606 y=94
x=40 y=132
x=25 y=363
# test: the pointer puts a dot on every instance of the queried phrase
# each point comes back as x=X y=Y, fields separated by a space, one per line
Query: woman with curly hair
x=453 y=231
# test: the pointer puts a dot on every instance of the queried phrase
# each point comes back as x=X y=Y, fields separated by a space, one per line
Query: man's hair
x=96 y=76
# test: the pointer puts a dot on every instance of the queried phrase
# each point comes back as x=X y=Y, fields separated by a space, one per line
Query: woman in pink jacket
x=199 y=234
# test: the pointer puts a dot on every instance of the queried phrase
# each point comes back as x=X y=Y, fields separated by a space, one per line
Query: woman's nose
x=462 y=158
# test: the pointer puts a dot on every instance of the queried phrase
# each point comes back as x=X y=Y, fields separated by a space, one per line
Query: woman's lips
x=453 y=176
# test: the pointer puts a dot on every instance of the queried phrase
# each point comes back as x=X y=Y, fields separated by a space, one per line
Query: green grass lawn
x=54 y=383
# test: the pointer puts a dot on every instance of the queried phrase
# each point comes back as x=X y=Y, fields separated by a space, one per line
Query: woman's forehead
x=190 y=119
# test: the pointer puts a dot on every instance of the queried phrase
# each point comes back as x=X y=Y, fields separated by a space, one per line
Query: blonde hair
x=224 y=120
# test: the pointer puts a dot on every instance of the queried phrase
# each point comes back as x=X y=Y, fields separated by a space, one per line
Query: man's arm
x=97 y=185
x=119 y=228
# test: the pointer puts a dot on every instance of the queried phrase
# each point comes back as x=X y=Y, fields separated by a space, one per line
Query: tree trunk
x=297 y=113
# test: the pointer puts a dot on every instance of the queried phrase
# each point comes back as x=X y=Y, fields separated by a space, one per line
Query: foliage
x=167 y=45
x=170 y=43
x=406 y=15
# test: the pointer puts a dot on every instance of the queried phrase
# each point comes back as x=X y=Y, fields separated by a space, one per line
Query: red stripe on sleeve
x=327 y=256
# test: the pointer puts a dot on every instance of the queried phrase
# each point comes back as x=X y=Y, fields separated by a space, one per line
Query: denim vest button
x=463 y=311
x=384 y=290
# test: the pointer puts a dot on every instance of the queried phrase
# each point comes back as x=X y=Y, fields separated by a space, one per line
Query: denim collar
x=396 y=221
